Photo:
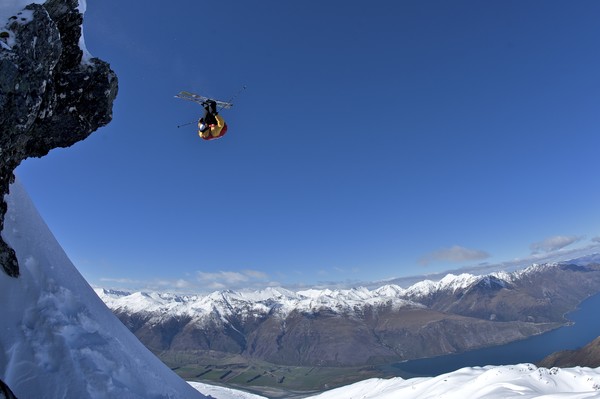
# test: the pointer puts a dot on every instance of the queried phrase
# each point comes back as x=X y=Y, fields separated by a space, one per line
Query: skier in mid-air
x=211 y=125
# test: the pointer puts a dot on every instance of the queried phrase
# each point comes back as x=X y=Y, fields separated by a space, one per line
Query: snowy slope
x=524 y=381
x=57 y=337
x=217 y=392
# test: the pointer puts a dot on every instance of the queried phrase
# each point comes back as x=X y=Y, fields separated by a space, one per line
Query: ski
x=202 y=100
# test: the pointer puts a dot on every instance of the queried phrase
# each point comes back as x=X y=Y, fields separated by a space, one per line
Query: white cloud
x=120 y=280
x=596 y=239
x=130 y=284
x=232 y=280
x=216 y=286
x=256 y=274
x=228 y=277
x=200 y=282
x=554 y=243
x=179 y=284
x=454 y=254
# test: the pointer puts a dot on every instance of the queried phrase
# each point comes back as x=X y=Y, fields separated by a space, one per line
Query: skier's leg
x=210 y=119
x=213 y=107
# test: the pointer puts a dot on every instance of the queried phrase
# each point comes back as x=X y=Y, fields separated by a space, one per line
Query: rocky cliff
x=51 y=94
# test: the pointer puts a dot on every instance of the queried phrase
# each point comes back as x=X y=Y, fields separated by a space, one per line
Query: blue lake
x=586 y=328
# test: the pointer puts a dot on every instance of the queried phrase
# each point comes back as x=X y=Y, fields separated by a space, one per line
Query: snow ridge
x=282 y=302
x=227 y=303
x=490 y=382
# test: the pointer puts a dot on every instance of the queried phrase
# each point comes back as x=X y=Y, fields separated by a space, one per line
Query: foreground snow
x=58 y=339
x=524 y=381
x=217 y=392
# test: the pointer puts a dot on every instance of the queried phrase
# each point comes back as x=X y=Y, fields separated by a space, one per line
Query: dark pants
x=211 y=110
x=210 y=119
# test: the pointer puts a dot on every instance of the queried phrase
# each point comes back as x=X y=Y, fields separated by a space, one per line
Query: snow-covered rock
x=52 y=94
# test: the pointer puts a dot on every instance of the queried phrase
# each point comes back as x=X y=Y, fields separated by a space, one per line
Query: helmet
x=202 y=126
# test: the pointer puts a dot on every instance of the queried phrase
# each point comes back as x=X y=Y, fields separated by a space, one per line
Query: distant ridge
x=587 y=356
x=359 y=326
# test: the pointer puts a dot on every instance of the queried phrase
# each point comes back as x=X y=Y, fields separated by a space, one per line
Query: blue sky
x=374 y=140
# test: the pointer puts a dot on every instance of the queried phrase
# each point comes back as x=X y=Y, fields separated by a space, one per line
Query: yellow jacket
x=214 y=131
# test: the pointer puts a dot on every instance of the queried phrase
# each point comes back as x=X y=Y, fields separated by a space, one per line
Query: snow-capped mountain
x=283 y=301
x=271 y=300
x=391 y=323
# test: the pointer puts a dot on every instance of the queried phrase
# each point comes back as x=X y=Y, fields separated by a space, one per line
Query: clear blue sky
x=375 y=139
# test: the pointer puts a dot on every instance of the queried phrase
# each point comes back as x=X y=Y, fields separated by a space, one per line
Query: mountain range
x=359 y=326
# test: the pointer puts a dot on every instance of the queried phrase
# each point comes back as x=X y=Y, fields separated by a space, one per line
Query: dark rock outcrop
x=587 y=356
x=5 y=391
x=50 y=96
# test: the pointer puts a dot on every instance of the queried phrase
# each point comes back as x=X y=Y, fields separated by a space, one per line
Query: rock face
x=50 y=96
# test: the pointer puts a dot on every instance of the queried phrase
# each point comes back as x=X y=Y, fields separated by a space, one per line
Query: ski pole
x=185 y=124
x=234 y=96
